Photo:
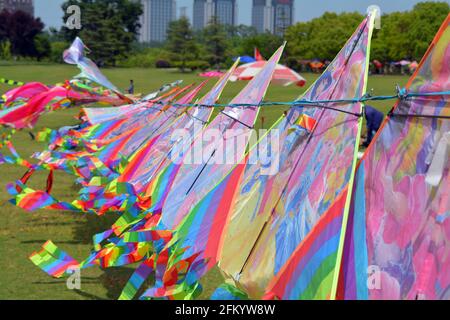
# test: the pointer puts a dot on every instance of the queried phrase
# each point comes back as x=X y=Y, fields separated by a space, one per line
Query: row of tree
x=21 y=35
x=110 y=29
x=404 y=35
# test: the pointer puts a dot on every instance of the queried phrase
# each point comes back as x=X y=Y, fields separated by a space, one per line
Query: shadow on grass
x=88 y=295
x=41 y=242
x=92 y=225
x=115 y=279
x=112 y=279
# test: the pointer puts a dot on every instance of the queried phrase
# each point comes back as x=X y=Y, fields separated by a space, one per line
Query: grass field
x=21 y=233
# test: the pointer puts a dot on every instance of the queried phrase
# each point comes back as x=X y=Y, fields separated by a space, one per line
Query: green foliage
x=56 y=51
x=5 y=50
x=181 y=43
x=402 y=35
x=215 y=43
x=43 y=46
x=20 y=29
x=321 y=37
x=145 y=58
x=109 y=27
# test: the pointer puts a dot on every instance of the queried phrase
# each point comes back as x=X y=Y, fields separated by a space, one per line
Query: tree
x=215 y=41
x=426 y=19
x=403 y=35
x=5 y=50
x=43 y=46
x=20 y=29
x=109 y=27
x=57 y=50
x=181 y=43
x=241 y=31
x=266 y=42
x=321 y=37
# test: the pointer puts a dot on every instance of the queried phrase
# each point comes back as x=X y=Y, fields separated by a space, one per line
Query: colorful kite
x=289 y=215
x=191 y=180
x=396 y=235
x=264 y=211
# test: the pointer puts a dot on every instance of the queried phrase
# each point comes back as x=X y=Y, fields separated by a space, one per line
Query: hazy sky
x=51 y=13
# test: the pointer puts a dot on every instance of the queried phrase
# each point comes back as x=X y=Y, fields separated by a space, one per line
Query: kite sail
x=398 y=237
x=287 y=215
x=274 y=214
x=99 y=115
x=156 y=153
x=194 y=178
x=392 y=243
x=244 y=214
x=89 y=70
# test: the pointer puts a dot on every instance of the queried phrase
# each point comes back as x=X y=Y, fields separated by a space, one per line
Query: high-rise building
x=262 y=15
x=283 y=15
x=274 y=16
x=183 y=12
x=14 y=5
x=224 y=10
x=156 y=18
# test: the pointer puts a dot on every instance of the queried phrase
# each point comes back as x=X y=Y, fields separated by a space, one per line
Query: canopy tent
x=283 y=75
x=211 y=74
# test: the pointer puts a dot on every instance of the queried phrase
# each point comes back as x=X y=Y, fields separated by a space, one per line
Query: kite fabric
x=254 y=92
x=287 y=215
x=399 y=227
x=101 y=163
x=279 y=211
x=396 y=238
x=99 y=115
x=75 y=55
x=194 y=180
x=11 y=82
x=232 y=217
x=156 y=154
x=24 y=105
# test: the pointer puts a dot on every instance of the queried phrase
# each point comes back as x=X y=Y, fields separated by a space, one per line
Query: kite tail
x=53 y=261
x=175 y=275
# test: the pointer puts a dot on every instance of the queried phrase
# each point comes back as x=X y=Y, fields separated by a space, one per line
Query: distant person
x=374 y=119
x=131 y=88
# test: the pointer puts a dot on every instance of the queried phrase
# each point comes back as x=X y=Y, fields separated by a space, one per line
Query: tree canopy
x=402 y=35
x=20 y=29
x=109 y=27
x=181 y=43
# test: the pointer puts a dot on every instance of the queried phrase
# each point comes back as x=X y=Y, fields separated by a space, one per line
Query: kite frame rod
x=237 y=120
x=393 y=115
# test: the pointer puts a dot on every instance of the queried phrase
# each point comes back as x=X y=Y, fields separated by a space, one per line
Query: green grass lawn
x=21 y=232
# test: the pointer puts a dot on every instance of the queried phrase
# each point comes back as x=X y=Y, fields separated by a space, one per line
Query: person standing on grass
x=374 y=119
x=131 y=88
